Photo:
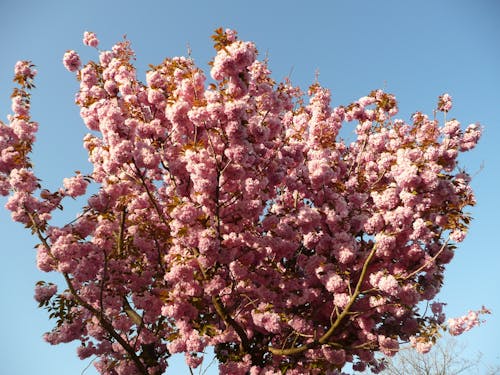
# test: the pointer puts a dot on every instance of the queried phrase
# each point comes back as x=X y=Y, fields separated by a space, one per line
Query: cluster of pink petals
x=43 y=292
x=445 y=103
x=421 y=345
x=233 y=215
x=75 y=186
x=90 y=39
x=24 y=69
x=457 y=326
x=71 y=61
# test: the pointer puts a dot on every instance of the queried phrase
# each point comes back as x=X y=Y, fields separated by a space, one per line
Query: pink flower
x=71 y=61
x=75 y=186
x=105 y=58
x=451 y=128
x=388 y=346
x=341 y=299
x=43 y=259
x=457 y=326
x=177 y=346
x=268 y=320
x=334 y=356
x=230 y=35
x=84 y=352
x=334 y=282
x=43 y=291
x=437 y=307
x=445 y=103
x=420 y=229
x=388 y=199
x=90 y=39
x=23 y=180
x=389 y=285
x=458 y=235
x=366 y=101
x=298 y=324
x=420 y=344
x=24 y=69
x=471 y=137
x=233 y=59
x=20 y=107
x=193 y=361
x=406 y=174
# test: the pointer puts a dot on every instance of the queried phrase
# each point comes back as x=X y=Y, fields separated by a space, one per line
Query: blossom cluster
x=234 y=215
x=456 y=326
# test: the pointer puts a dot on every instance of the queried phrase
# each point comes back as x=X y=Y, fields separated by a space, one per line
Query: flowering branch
x=326 y=336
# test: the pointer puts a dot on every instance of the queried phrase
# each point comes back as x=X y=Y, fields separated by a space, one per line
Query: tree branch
x=150 y=195
x=98 y=314
x=323 y=339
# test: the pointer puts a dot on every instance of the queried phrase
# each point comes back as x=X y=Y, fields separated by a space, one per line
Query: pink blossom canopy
x=232 y=214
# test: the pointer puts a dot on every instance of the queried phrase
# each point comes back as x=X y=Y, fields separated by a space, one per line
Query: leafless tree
x=448 y=357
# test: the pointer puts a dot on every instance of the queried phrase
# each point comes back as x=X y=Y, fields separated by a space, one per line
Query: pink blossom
x=235 y=368
x=437 y=307
x=445 y=103
x=84 y=352
x=230 y=35
x=298 y=324
x=75 y=186
x=388 y=199
x=388 y=346
x=23 y=180
x=20 y=107
x=366 y=101
x=374 y=224
x=406 y=175
x=233 y=59
x=420 y=229
x=44 y=261
x=24 y=69
x=337 y=357
x=341 y=299
x=71 y=61
x=105 y=58
x=44 y=292
x=458 y=235
x=90 y=39
x=451 y=128
x=334 y=282
x=193 y=361
x=420 y=344
x=388 y=284
x=271 y=322
x=457 y=326
x=471 y=137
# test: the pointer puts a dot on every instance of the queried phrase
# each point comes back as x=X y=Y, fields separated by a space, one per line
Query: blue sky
x=415 y=50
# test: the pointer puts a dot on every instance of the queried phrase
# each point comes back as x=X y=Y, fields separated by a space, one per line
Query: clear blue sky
x=414 y=49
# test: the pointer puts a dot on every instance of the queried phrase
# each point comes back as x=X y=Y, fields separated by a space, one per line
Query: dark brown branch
x=121 y=233
x=221 y=311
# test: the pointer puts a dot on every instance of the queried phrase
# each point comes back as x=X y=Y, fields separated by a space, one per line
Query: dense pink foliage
x=233 y=215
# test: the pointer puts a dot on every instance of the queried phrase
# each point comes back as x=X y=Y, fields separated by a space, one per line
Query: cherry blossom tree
x=230 y=213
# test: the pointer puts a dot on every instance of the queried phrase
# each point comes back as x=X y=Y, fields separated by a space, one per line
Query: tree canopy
x=230 y=213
